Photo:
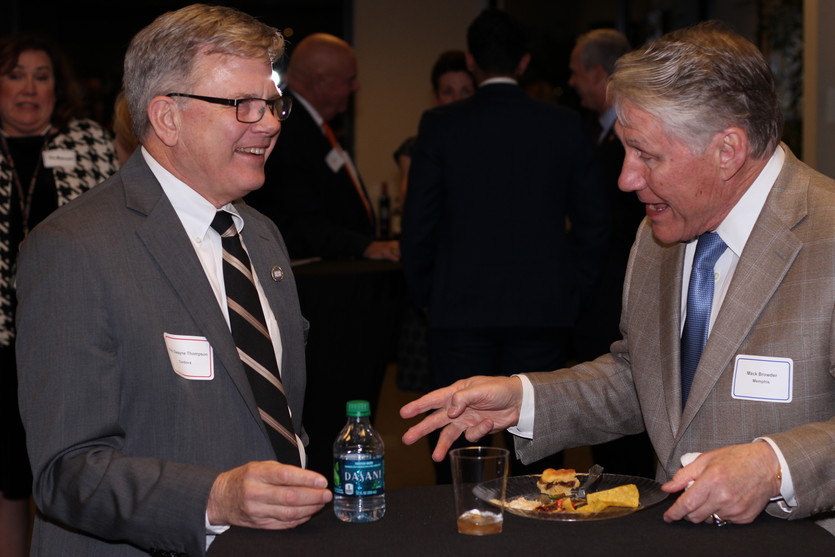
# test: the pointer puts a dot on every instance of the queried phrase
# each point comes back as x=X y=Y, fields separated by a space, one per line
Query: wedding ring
x=718 y=520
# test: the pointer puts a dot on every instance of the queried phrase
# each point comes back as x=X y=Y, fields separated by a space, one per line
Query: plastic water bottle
x=358 y=472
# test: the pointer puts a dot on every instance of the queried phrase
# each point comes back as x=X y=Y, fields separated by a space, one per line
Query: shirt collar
x=195 y=211
x=737 y=226
x=607 y=119
x=493 y=80
x=313 y=112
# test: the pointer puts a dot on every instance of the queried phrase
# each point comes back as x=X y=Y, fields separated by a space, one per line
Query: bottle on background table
x=385 y=213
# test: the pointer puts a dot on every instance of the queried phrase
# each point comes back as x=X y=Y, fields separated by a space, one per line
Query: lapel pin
x=278 y=273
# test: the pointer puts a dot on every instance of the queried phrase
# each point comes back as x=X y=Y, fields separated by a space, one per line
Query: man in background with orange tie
x=313 y=190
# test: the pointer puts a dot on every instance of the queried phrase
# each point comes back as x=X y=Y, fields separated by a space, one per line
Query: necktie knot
x=223 y=224
x=708 y=250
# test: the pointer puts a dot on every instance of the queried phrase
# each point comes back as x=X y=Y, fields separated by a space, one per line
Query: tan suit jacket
x=780 y=303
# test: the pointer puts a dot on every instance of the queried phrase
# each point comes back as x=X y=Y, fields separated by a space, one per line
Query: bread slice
x=558 y=483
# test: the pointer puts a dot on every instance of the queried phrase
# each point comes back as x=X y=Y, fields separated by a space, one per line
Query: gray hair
x=699 y=81
x=162 y=56
x=604 y=47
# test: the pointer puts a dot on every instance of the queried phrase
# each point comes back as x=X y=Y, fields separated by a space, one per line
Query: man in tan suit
x=699 y=118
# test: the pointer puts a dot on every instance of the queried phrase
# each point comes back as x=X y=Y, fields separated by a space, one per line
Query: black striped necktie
x=249 y=329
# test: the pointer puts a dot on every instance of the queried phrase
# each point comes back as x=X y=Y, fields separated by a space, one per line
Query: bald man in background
x=313 y=191
x=316 y=197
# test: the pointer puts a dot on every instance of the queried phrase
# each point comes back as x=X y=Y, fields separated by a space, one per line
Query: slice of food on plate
x=620 y=496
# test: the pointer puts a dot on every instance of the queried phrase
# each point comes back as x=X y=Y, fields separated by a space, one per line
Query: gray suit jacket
x=780 y=304
x=124 y=451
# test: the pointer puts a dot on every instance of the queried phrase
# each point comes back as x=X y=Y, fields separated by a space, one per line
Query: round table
x=420 y=521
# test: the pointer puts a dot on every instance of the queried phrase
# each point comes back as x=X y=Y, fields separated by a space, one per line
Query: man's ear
x=600 y=74
x=470 y=61
x=523 y=65
x=732 y=151
x=164 y=115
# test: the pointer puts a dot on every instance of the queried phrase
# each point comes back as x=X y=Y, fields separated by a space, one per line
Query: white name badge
x=64 y=158
x=191 y=357
x=335 y=160
x=763 y=379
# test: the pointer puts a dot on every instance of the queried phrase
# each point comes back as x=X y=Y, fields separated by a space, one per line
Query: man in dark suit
x=751 y=428
x=313 y=191
x=485 y=244
x=143 y=428
x=592 y=62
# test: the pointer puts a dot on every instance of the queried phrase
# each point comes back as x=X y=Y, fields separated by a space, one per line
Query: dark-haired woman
x=48 y=155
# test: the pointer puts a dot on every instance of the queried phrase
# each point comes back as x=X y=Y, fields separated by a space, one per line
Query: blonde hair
x=162 y=56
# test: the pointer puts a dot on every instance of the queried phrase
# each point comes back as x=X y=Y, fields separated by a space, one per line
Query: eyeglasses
x=248 y=111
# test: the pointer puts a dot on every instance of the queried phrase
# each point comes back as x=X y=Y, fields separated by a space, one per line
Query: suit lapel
x=671 y=266
x=766 y=259
x=179 y=263
x=304 y=125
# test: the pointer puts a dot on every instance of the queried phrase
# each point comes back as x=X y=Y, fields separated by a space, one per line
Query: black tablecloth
x=421 y=521
x=355 y=310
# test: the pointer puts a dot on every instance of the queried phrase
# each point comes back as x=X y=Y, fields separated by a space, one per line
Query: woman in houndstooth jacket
x=48 y=156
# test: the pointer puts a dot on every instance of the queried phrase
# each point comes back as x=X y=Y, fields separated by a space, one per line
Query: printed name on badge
x=335 y=160
x=763 y=379
x=191 y=357
x=54 y=158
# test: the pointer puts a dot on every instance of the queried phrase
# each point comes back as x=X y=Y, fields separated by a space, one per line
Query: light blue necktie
x=699 y=301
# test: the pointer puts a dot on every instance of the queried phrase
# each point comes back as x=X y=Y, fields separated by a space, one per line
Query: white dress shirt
x=491 y=80
x=606 y=121
x=196 y=214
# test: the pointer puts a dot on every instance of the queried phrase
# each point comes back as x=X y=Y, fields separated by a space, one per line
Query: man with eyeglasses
x=313 y=190
x=148 y=429
x=248 y=110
